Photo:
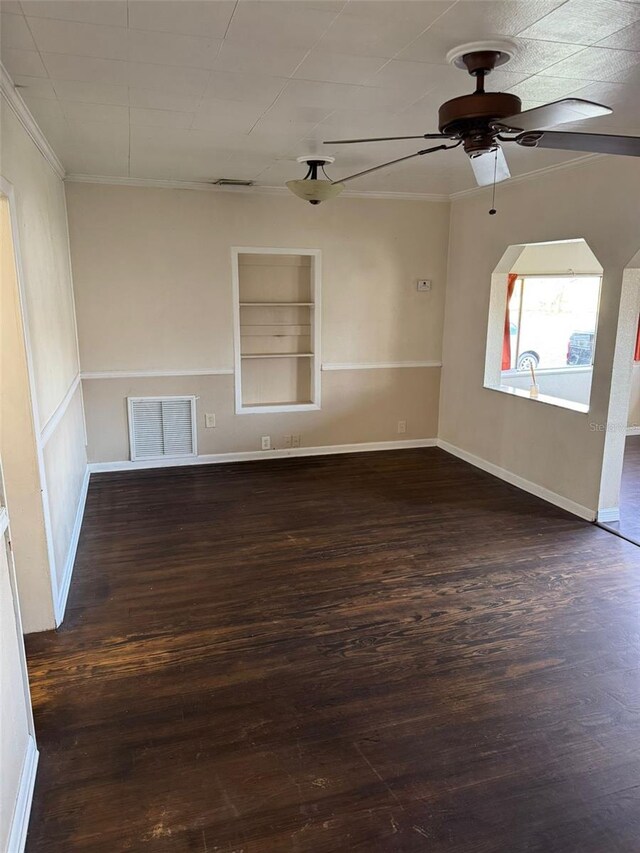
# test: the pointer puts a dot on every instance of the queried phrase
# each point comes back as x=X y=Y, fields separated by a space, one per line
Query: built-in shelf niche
x=276 y=295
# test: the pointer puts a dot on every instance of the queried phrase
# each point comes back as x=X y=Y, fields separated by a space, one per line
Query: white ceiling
x=194 y=91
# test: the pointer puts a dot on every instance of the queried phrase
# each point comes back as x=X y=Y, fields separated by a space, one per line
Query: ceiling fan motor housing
x=470 y=117
x=475 y=113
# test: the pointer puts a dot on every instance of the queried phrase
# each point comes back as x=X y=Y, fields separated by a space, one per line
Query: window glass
x=552 y=321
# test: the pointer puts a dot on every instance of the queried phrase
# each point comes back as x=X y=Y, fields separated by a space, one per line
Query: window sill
x=551 y=371
x=271 y=408
x=541 y=398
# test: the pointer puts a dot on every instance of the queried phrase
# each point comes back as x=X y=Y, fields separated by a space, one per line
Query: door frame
x=19 y=822
x=7 y=191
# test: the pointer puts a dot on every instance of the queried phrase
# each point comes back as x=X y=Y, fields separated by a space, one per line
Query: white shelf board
x=255 y=408
x=277 y=355
x=271 y=304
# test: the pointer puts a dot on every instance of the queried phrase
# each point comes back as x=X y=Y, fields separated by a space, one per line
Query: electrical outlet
x=287 y=441
x=295 y=441
x=209 y=421
x=402 y=426
x=424 y=285
x=266 y=442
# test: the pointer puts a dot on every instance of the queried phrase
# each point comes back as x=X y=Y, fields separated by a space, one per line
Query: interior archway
x=616 y=425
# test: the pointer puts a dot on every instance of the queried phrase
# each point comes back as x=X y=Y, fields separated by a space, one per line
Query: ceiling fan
x=482 y=122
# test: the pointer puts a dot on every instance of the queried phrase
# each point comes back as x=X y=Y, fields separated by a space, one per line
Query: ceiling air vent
x=162 y=427
x=232 y=182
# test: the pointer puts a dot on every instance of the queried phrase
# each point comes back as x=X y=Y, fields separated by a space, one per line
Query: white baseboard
x=250 y=455
x=633 y=430
x=63 y=591
x=520 y=482
x=20 y=820
x=610 y=513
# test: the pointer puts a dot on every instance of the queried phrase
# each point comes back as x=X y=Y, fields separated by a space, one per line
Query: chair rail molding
x=378 y=365
x=50 y=427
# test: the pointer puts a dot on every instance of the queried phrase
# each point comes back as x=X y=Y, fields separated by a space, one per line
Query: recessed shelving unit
x=276 y=302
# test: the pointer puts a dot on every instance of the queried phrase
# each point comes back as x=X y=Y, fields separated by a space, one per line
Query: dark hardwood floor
x=381 y=652
x=629 y=524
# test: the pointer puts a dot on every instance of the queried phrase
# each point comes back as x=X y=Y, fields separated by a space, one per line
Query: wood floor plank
x=385 y=652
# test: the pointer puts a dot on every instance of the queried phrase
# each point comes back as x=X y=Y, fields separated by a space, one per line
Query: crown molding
x=265 y=190
x=254 y=190
x=24 y=116
x=528 y=176
x=389 y=196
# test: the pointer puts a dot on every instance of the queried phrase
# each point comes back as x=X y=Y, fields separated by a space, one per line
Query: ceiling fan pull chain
x=493 y=210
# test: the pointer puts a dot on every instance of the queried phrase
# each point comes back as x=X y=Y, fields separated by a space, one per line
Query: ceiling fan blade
x=384 y=139
x=489 y=167
x=593 y=143
x=393 y=162
x=550 y=115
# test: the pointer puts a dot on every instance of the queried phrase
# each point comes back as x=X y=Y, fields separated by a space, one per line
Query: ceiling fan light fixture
x=311 y=188
x=314 y=191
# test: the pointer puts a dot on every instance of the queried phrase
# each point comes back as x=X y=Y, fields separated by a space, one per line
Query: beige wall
x=551 y=447
x=355 y=408
x=152 y=274
x=49 y=311
x=560 y=258
x=633 y=419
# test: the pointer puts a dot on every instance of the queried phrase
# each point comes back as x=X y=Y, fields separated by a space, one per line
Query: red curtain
x=636 y=354
x=506 y=341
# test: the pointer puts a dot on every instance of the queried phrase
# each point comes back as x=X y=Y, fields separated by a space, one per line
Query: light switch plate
x=209 y=421
x=424 y=285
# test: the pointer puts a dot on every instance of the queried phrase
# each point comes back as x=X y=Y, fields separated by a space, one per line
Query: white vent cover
x=162 y=427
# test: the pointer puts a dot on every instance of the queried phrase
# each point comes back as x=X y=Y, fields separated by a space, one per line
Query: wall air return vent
x=162 y=427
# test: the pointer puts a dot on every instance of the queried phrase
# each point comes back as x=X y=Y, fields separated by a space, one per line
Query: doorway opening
x=619 y=501
x=20 y=446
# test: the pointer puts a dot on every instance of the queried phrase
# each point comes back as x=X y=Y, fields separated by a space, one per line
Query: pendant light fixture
x=314 y=189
